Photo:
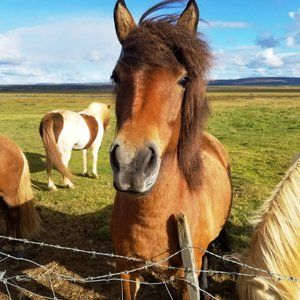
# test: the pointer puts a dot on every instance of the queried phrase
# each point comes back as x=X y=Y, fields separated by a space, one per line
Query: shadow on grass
x=238 y=236
x=43 y=186
x=36 y=162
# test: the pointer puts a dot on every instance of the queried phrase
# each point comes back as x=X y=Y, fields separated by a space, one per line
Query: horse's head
x=160 y=104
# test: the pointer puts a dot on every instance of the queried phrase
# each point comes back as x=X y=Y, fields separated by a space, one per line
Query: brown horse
x=163 y=162
x=22 y=220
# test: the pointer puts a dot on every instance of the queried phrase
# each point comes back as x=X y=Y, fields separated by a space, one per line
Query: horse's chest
x=148 y=237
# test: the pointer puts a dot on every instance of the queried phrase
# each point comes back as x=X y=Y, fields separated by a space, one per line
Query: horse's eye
x=184 y=81
x=115 y=78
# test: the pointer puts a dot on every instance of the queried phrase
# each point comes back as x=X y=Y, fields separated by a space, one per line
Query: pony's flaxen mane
x=275 y=244
x=160 y=43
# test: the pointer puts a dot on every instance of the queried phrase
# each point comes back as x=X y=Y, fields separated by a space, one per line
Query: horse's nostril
x=153 y=155
x=113 y=158
x=152 y=159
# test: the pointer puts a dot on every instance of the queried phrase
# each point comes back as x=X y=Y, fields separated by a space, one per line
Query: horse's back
x=9 y=152
x=213 y=147
x=72 y=130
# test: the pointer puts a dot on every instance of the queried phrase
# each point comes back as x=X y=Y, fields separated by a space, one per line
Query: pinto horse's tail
x=30 y=223
x=50 y=142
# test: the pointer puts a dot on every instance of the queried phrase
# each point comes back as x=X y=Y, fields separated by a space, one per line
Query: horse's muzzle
x=135 y=170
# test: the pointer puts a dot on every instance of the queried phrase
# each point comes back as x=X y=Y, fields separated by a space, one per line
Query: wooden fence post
x=188 y=258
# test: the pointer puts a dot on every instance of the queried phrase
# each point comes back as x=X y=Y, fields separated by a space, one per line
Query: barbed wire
x=143 y=265
x=149 y=264
x=75 y=250
x=21 y=278
x=274 y=275
x=196 y=287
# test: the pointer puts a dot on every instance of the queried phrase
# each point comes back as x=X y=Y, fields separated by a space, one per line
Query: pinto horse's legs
x=49 y=167
x=66 y=156
x=95 y=150
x=84 y=157
x=130 y=285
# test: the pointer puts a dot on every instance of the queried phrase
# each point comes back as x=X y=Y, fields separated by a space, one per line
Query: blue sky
x=58 y=41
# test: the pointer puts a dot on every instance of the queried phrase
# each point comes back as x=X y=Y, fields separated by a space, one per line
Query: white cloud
x=9 y=52
x=290 y=41
x=252 y=61
x=21 y=70
x=95 y=56
x=261 y=71
x=269 y=59
x=293 y=33
x=227 y=24
x=292 y=14
x=62 y=51
x=231 y=64
x=295 y=15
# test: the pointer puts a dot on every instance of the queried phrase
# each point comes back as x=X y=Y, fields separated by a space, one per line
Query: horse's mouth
x=131 y=192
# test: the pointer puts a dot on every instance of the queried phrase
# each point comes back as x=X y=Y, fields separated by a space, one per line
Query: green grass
x=261 y=132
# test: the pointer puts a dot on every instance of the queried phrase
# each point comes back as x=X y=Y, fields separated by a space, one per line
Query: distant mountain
x=52 y=88
x=257 y=81
x=107 y=87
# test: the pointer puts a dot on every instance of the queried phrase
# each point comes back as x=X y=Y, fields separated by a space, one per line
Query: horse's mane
x=275 y=244
x=158 y=7
x=159 y=42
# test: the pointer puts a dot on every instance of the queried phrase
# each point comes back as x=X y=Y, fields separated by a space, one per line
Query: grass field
x=260 y=130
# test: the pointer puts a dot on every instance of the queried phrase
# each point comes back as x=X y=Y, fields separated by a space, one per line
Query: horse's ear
x=124 y=21
x=189 y=19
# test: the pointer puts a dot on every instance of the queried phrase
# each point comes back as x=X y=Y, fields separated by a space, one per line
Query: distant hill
x=52 y=88
x=257 y=81
x=107 y=87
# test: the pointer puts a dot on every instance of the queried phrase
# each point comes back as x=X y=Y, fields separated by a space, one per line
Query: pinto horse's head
x=160 y=104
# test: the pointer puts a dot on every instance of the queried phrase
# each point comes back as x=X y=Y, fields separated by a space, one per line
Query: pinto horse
x=21 y=217
x=163 y=162
x=275 y=245
x=64 y=130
